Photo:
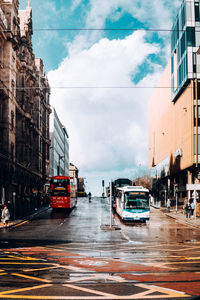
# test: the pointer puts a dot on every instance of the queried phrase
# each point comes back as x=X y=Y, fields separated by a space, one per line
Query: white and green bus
x=132 y=203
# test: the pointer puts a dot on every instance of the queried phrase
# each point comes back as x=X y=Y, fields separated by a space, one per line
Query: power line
x=95 y=87
x=98 y=29
x=106 y=29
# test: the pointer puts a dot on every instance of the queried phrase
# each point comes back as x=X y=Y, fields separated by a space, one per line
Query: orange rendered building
x=174 y=121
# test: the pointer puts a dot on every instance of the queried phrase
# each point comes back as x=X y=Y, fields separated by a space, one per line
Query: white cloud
x=107 y=126
x=75 y=4
x=150 y=12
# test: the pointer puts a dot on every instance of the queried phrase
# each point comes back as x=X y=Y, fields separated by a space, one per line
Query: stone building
x=24 y=112
x=81 y=187
x=73 y=174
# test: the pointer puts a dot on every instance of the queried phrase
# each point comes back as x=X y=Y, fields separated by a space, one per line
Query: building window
x=190 y=36
x=12 y=151
x=183 y=47
x=183 y=16
x=175 y=71
x=194 y=63
x=197 y=15
x=195 y=144
x=1 y=111
x=22 y=127
x=12 y=120
x=1 y=56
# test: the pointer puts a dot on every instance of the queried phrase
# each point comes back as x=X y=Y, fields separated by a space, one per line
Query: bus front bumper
x=135 y=219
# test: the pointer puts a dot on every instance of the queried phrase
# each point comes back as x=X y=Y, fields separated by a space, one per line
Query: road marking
x=89 y=262
x=31 y=277
x=192 y=257
x=23 y=257
x=20 y=224
x=21 y=263
x=152 y=289
x=164 y=264
x=82 y=279
x=81 y=270
x=88 y=290
x=114 y=297
x=3 y=294
x=95 y=277
x=165 y=293
x=41 y=269
x=114 y=278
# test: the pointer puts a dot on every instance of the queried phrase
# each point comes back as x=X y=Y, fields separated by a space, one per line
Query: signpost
x=103 y=194
x=111 y=203
x=110 y=226
x=14 y=199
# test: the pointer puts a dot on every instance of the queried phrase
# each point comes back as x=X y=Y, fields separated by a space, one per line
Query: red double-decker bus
x=62 y=193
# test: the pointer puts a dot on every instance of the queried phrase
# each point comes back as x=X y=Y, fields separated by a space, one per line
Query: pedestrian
x=188 y=210
x=89 y=196
x=168 y=204
x=5 y=215
x=192 y=209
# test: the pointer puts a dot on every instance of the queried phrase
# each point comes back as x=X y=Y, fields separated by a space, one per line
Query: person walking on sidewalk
x=192 y=209
x=168 y=204
x=5 y=215
x=89 y=196
x=188 y=210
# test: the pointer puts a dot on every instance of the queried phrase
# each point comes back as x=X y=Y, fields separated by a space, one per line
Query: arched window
x=12 y=151
x=12 y=120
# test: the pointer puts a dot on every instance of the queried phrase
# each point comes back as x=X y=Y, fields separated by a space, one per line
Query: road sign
x=193 y=187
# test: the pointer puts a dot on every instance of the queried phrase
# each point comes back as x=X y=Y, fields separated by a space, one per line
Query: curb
x=30 y=217
x=155 y=206
x=182 y=221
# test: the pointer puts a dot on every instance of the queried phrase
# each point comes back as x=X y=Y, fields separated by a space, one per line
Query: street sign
x=193 y=187
x=195 y=194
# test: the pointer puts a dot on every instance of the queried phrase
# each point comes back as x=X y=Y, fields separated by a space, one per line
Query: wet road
x=66 y=255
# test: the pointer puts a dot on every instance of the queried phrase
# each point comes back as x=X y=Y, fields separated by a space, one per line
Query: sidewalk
x=181 y=217
x=29 y=217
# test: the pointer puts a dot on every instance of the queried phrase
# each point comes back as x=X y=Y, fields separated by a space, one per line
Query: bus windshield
x=139 y=200
x=59 y=187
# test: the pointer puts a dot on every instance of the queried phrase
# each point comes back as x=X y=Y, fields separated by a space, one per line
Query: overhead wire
x=105 y=29
x=102 y=29
x=94 y=87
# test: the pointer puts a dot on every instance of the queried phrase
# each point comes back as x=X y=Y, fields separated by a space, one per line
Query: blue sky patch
x=126 y=21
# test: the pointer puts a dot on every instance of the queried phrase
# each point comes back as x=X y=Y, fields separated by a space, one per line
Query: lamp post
x=103 y=188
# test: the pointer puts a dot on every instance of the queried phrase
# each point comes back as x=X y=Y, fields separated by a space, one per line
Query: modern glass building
x=59 y=150
x=185 y=41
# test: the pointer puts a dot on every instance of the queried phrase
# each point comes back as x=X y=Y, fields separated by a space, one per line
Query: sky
x=102 y=59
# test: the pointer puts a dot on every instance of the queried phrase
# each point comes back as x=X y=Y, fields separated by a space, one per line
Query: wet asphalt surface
x=69 y=255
